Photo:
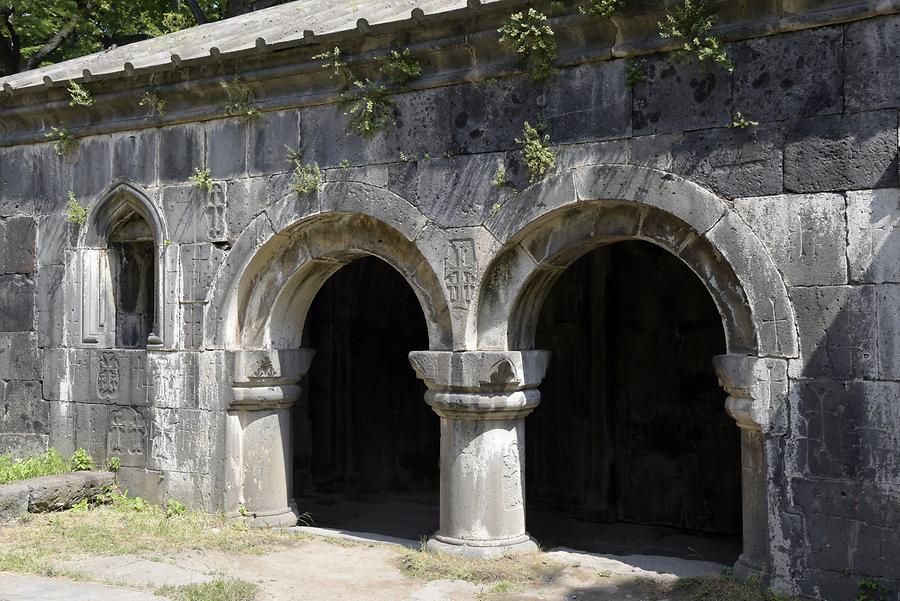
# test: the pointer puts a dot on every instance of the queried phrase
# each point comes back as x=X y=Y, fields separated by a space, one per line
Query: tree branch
x=61 y=36
x=10 y=54
x=199 y=16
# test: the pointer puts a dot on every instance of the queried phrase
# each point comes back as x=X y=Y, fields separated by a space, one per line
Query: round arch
x=549 y=227
x=276 y=267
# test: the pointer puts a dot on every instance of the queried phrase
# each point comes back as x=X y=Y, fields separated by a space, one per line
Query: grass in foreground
x=220 y=589
x=49 y=463
x=719 y=589
x=123 y=526
x=502 y=574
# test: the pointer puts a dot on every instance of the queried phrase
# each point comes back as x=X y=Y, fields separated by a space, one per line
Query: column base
x=482 y=549
x=745 y=568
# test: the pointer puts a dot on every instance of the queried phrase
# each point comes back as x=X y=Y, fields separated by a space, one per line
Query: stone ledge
x=50 y=493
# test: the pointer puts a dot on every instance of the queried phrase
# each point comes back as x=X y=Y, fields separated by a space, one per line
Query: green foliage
x=240 y=99
x=692 y=23
x=79 y=95
x=635 y=72
x=174 y=508
x=871 y=590
x=538 y=156
x=64 y=142
x=370 y=106
x=202 y=178
x=345 y=164
x=399 y=67
x=534 y=42
x=741 y=122
x=113 y=464
x=48 y=463
x=75 y=213
x=500 y=178
x=81 y=461
x=220 y=589
x=602 y=9
x=157 y=105
x=306 y=177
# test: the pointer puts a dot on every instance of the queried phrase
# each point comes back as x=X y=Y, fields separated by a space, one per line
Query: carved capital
x=481 y=384
x=267 y=378
x=757 y=389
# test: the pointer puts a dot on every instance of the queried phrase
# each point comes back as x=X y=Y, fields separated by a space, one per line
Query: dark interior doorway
x=631 y=450
x=369 y=451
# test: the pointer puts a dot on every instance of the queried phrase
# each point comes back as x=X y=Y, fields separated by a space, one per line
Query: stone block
x=91 y=427
x=269 y=134
x=127 y=435
x=172 y=380
x=109 y=376
x=55 y=235
x=180 y=152
x=179 y=440
x=50 y=306
x=247 y=198
x=872 y=77
x=731 y=162
x=216 y=374
x=20 y=358
x=804 y=233
x=20 y=445
x=159 y=486
x=681 y=97
x=888 y=299
x=789 y=75
x=846 y=430
x=17 y=302
x=199 y=264
x=873 y=236
x=192 y=325
x=185 y=210
x=17 y=245
x=578 y=155
x=55 y=493
x=24 y=411
x=588 y=102
x=51 y=179
x=489 y=116
x=13 y=500
x=226 y=148
x=91 y=167
x=17 y=168
x=135 y=156
x=62 y=427
x=838 y=334
x=841 y=152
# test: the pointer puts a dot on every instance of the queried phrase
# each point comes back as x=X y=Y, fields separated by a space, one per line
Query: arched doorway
x=366 y=446
x=630 y=450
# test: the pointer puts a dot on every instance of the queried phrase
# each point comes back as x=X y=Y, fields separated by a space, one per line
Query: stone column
x=756 y=389
x=482 y=399
x=265 y=388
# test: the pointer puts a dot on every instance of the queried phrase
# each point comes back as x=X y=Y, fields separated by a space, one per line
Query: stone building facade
x=170 y=328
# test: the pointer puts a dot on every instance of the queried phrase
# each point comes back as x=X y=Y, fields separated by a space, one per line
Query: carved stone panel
x=126 y=436
x=460 y=272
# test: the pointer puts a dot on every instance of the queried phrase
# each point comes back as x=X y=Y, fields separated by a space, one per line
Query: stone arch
x=549 y=226
x=123 y=205
x=277 y=265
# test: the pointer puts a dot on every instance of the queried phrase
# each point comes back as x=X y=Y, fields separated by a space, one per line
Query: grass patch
x=501 y=574
x=49 y=463
x=719 y=589
x=220 y=589
x=123 y=526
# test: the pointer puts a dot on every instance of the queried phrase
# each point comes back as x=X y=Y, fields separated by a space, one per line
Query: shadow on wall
x=842 y=458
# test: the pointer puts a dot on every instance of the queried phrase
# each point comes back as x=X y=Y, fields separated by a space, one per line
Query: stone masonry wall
x=816 y=180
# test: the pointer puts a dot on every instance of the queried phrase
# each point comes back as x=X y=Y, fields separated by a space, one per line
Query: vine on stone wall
x=240 y=99
x=306 y=177
x=79 y=95
x=531 y=37
x=538 y=156
x=75 y=213
x=157 y=105
x=691 y=23
x=202 y=178
x=64 y=143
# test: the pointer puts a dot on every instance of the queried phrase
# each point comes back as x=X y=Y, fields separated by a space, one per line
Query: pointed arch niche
x=125 y=272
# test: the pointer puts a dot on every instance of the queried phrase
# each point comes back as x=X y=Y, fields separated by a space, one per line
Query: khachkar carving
x=215 y=213
x=126 y=433
x=107 y=375
x=460 y=272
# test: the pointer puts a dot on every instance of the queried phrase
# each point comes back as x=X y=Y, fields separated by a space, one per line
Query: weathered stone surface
x=17 y=239
x=588 y=102
x=135 y=157
x=841 y=152
x=872 y=47
x=20 y=445
x=888 y=299
x=226 y=147
x=17 y=301
x=50 y=306
x=805 y=235
x=731 y=162
x=796 y=74
x=53 y=493
x=680 y=96
x=180 y=153
x=838 y=335
x=873 y=235
x=20 y=358
x=24 y=411
x=13 y=500
x=489 y=116
x=91 y=167
x=17 y=194
x=270 y=137
x=55 y=235
x=846 y=430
